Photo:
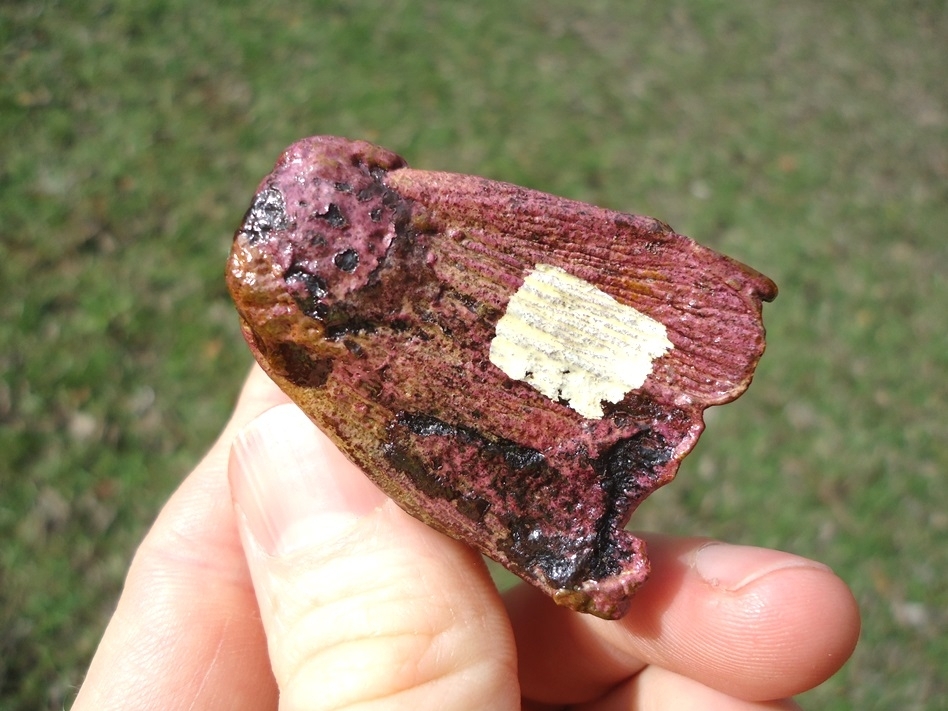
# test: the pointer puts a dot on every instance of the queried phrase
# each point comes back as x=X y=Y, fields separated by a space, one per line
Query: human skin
x=278 y=576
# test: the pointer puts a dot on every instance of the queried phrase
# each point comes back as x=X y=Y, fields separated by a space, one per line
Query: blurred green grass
x=807 y=139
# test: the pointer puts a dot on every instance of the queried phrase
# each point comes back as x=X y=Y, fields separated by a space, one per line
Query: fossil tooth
x=517 y=370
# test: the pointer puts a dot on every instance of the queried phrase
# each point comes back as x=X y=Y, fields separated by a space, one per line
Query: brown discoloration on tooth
x=518 y=370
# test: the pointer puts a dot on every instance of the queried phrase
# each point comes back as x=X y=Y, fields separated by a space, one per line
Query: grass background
x=808 y=139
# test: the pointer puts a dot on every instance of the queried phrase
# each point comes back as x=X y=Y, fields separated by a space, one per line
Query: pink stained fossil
x=518 y=370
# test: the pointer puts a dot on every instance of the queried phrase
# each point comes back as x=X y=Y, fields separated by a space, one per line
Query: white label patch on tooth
x=573 y=341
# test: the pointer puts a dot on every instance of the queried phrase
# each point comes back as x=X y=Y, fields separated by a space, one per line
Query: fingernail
x=733 y=567
x=291 y=486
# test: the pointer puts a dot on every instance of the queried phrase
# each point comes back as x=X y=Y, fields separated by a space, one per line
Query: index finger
x=754 y=623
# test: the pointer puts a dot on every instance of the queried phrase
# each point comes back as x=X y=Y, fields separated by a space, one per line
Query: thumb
x=362 y=605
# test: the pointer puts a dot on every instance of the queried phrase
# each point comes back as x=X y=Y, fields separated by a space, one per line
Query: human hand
x=279 y=576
